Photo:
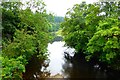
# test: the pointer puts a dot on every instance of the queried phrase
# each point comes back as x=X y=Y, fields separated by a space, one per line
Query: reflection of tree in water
x=67 y=66
x=36 y=69
x=77 y=67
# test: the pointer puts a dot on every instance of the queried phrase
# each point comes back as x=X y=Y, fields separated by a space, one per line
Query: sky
x=59 y=7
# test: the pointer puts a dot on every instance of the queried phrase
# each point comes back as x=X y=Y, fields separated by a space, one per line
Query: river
x=63 y=61
x=57 y=60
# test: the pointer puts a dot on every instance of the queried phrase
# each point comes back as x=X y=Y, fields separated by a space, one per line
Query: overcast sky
x=59 y=7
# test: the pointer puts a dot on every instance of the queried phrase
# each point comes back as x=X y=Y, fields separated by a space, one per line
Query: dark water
x=35 y=70
x=64 y=62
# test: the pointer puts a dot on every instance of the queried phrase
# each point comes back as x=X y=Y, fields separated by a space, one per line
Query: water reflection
x=56 y=50
x=64 y=62
x=79 y=68
x=36 y=69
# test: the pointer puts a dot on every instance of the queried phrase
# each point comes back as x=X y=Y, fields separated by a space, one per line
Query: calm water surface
x=57 y=60
x=67 y=65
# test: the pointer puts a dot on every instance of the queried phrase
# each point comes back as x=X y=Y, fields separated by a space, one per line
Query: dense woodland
x=92 y=29
x=25 y=33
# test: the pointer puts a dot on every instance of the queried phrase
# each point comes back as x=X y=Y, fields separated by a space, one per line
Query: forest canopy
x=25 y=33
x=94 y=30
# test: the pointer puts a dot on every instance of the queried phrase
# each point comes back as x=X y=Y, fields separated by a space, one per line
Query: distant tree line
x=55 y=21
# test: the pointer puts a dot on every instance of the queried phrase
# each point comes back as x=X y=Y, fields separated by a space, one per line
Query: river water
x=57 y=60
x=63 y=61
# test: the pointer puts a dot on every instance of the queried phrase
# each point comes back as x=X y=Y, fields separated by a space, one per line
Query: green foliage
x=106 y=42
x=55 y=21
x=93 y=29
x=25 y=33
x=12 y=68
x=80 y=25
x=10 y=18
x=23 y=44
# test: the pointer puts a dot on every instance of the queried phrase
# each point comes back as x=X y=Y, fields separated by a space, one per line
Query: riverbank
x=57 y=76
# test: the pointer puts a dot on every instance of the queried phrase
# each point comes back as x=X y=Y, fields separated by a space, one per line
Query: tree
x=25 y=33
x=80 y=25
x=93 y=30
